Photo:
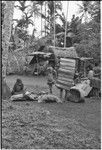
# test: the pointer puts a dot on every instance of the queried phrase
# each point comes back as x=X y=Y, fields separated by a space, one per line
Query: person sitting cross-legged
x=18 y=87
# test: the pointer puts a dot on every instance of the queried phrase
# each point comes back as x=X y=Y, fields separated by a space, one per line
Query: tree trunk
x=6 y=34
x=41 y=21
x=45 y=19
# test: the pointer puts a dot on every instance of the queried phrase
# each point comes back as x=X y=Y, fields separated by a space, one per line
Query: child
x=51 y=77
x=18 y=87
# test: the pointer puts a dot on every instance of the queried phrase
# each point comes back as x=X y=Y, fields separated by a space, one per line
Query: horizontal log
x=67 y=72
x=65 y=79
x=67 y=65
x=63 y=75
x=67 y=60
x=63 y=87
x=68 y=68
x=70 y=65
x=65 y=82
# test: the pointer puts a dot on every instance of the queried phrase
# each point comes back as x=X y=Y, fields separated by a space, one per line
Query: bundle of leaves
x=49 y=98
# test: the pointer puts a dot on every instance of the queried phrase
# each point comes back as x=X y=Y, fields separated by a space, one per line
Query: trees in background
x=85 y=10
x=86 y=34
x=49 y=17
x=41 y=4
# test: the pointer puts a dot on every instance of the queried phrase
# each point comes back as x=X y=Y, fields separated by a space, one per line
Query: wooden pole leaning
x=66 y=25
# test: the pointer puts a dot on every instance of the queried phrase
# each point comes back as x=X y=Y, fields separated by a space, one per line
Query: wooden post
x=66 y=25
x=37 y=65
x=54 y=26
x=61 y=93
x=66 y=94
x=85 y=69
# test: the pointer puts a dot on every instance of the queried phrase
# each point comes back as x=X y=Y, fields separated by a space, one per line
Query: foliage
x=34 y=9
x=75 y=22
x=25 y=20
x=89 y=45
x=50 y=15
x=85 y=10
x=87 y=34
x=22 y=34
x=95 y=14
x=20 y=30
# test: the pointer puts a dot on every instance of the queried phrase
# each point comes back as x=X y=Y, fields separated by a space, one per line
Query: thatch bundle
x=48 y=98
x=67 y=52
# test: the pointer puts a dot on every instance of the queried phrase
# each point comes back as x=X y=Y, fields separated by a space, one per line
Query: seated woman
x=18 y=87
x=90 y=73
x=95 y=82
x=97 y=71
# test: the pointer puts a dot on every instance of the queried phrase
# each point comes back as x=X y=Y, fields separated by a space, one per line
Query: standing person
x=51 y=78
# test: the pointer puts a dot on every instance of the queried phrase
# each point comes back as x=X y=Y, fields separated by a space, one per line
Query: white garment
x=90 y=74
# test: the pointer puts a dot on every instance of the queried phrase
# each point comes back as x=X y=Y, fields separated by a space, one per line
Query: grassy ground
x=32 y=125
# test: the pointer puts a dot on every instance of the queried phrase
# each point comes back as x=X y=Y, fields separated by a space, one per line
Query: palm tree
x=26 y=16
x=22 y=6
x=85 y=10
x=96 y=15
x=35 y=11
x=6 y=33
x=49 y=17
x=41 y=4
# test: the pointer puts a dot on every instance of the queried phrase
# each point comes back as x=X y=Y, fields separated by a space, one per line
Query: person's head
x=96 y=64
x=50 y=69
x=19 y=81
x=90 y=67
x=50 y=50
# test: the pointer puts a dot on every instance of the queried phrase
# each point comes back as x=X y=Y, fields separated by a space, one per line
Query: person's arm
x=97 y=74
x=14 y=89
x=55 y=74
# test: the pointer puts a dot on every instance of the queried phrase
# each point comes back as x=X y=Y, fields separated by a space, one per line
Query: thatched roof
x=67 y=52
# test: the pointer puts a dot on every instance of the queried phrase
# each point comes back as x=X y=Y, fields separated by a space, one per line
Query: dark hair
x=50 y=50
x=90 y=67
x=96 y=64
x=19 y=80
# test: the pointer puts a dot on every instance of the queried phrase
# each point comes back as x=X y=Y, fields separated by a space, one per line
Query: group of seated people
x=94 y=75
x=94 y=71
x=95 y=79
